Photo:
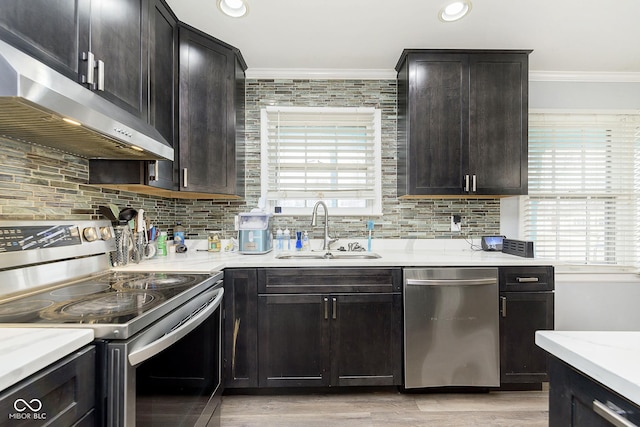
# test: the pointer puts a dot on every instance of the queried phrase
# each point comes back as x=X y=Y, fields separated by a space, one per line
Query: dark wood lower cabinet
x=365 y=344
x=293 y=336
x=526 y=306
x=522 y=314
x=575 y=399
x=65 y=391
x=313 y=327
x=240 y=328
x=329 y=340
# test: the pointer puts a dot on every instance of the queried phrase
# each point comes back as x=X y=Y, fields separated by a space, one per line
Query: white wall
x=584 y=95
x=597 y=302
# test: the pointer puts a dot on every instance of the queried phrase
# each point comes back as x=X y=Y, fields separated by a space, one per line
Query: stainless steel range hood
x=34 y=100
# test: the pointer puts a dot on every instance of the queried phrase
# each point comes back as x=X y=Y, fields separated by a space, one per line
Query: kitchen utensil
x=108 y=213
x=127 y=214
x=114 y=209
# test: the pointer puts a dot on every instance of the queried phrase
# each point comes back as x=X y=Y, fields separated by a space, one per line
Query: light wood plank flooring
x=387 y=408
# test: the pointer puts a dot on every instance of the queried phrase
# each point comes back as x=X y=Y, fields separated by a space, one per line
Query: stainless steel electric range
x=158 y=334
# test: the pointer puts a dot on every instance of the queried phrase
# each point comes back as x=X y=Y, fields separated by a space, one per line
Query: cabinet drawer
x=328 y=280
x=515 y=279
x=64 y=390
x=575 y=399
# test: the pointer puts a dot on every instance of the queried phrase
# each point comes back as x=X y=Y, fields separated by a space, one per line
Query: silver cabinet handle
x=452 y=282
x=466 y=183
x=503 y=302
x=100 y=75
x=184 y=177
x=326 y=308
x=154 y=173
x=611 y=415
x=473 y=183
x=89 y=58
x=334 y=309
x=527 y=279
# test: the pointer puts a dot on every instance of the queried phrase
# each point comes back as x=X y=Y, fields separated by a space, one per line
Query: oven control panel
x=36 y=242
x=22 y=238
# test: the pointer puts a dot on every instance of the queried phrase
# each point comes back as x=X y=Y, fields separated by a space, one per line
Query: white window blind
x=582 y=205
x=330 y=154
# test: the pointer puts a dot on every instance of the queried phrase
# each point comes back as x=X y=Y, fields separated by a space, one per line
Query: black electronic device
x=492 y=243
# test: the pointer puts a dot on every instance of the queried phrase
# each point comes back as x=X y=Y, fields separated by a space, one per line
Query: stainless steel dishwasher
x=451 y=335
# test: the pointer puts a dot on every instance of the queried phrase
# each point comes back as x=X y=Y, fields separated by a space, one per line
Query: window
x=330 y=154
x=582 y=205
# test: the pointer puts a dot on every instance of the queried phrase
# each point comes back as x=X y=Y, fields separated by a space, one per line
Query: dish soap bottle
x=162 y=244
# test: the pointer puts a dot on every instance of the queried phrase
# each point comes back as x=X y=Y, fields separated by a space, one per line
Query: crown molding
x=320 y=74
x=390 y=74
x=584 y=76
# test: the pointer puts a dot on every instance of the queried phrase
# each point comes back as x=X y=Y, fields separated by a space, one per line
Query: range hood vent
x=36 y=101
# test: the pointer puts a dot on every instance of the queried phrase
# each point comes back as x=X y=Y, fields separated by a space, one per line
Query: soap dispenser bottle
x=287 y=239
x=279 y=239
x=305 y=241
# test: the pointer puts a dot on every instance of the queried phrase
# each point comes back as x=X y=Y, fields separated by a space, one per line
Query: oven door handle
x=148 y=351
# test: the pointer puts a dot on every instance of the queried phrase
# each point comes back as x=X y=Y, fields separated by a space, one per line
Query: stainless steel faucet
x=326 y=246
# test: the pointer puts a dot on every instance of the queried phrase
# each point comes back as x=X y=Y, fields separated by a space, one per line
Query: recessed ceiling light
x=233 y=8
x=455 y=10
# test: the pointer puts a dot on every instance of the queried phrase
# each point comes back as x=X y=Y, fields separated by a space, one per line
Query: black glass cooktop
x=111 y=298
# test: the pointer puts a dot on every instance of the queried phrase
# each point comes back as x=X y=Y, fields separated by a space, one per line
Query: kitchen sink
x=329 y=255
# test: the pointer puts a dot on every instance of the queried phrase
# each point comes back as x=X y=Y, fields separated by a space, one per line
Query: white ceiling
x=594 y=36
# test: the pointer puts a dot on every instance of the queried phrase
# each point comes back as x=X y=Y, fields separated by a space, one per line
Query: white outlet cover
x=455 y=227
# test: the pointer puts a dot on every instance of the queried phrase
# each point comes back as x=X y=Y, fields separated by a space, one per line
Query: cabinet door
x=365 y=339
x=438 y=123
x=117 y=35
x=293 y=340
x=207 y=116
x=498 y=123
x=163 y=88
x=522 y=314
x=240 y=328
x=48 y=30
x=163 y=71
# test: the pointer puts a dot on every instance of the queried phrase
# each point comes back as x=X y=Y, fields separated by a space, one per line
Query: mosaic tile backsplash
x=41 y=183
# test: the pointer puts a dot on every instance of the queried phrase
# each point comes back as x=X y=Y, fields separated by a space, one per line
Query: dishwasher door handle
x=451 y=282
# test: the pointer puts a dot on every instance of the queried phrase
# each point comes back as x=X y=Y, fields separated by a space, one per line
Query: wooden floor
x=387 y=408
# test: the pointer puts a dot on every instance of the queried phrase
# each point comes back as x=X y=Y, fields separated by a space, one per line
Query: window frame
x=375 y=206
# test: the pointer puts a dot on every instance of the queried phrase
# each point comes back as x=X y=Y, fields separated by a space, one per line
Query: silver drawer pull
x=527 y=279
x=611 y=415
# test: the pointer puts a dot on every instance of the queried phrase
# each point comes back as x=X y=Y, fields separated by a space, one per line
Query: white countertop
x=611 y=358
x=25 y=351
x=394 y=253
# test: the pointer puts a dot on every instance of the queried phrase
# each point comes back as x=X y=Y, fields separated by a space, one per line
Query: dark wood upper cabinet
x=117 y=41
x=99 y=43
x=196 y=101
x=210 y=108
x=49 y=30
x=462 y=122
x=163 y=69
